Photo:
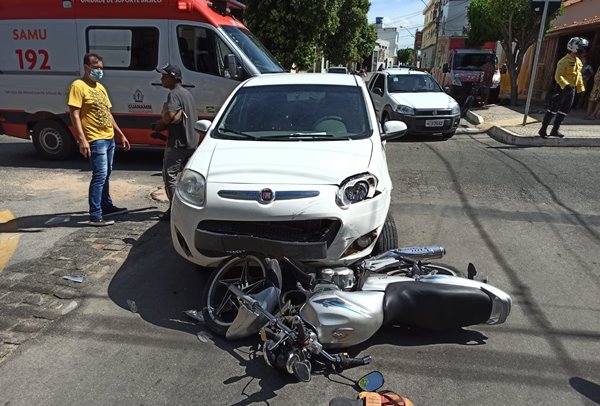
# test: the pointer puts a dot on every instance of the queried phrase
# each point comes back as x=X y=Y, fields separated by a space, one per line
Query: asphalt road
x=527 y=218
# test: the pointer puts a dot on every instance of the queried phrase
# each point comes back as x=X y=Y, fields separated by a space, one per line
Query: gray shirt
x=182 y=135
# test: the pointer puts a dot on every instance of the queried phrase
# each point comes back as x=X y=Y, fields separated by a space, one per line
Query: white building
x=391 y=35
x=454 y=19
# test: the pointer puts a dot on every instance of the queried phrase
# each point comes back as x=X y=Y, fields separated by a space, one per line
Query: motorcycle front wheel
x=220 y=307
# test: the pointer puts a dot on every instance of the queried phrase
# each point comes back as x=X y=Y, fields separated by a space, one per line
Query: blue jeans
x=101 y=159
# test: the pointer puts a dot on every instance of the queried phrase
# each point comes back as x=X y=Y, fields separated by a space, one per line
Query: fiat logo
x=266 y=196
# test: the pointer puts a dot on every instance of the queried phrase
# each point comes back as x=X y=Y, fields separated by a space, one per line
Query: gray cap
x=172 y=70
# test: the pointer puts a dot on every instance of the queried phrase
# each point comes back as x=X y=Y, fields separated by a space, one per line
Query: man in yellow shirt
x=568 y=80
x=95 y=128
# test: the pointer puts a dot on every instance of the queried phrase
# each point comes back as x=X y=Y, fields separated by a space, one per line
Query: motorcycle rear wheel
x=220 y=307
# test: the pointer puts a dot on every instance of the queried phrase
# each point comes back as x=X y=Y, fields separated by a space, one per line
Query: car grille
x=323 y=230
x=444 y=112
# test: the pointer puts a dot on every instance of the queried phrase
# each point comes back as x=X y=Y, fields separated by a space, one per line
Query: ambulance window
x=201 y=50
x=125 y=49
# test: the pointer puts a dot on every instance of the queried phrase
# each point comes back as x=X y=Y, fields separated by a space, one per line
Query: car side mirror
x=202 y=126
x=233 y=68
x=447 y=89
x=445 y=68
x=503 y=69
x=393 y=129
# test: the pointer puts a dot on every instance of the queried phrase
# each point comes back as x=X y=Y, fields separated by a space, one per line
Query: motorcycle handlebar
x=241 y=295
x=355 y=362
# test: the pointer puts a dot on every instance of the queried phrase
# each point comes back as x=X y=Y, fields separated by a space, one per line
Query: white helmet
x=577 y=44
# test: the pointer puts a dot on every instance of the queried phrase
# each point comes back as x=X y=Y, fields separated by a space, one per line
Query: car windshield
x=412 y=84
x=295 y=112
x=254 y=50
x=472 y=62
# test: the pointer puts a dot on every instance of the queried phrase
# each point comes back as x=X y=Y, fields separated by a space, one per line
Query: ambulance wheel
x=388 y=239
x=53 y=140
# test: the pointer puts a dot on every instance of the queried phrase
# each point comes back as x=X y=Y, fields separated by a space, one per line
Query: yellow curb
x=8 y=240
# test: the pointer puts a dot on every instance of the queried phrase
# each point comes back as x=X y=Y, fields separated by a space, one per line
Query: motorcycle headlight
x=356 y=189
x=456 y=109
x=191 y=188
x=406 y=110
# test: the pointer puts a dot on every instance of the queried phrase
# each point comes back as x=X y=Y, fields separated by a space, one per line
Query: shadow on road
x=37 y=223
x=163 y=286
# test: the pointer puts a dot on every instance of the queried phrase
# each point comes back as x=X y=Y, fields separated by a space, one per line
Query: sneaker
x=542 y=133
x=113 y=211
x=101 y=223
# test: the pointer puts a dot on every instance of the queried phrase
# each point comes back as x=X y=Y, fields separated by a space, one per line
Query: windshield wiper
x=236 y=132
x=317 y=136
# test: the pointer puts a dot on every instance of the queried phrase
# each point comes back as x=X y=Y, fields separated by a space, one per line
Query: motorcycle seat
x=435 y=306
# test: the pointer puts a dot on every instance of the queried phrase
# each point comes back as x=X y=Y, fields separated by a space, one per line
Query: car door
x=376 y=90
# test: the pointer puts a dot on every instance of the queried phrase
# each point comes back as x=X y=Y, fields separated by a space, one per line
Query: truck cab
x=464 y=70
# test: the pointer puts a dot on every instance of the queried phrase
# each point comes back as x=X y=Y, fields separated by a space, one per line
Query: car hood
x=428 y=101
x=283 y=162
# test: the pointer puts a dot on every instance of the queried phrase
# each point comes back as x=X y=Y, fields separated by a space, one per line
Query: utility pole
x=537 y=51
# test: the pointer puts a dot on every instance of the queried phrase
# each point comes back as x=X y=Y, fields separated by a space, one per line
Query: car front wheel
x=388 y=239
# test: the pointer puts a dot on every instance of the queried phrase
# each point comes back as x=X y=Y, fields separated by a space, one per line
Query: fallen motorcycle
x=336 y=308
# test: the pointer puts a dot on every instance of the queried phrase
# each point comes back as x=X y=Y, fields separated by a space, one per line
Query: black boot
x=547 y=118
x=557 y=122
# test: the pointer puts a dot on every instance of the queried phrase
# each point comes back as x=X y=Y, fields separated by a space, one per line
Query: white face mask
x=96 y=74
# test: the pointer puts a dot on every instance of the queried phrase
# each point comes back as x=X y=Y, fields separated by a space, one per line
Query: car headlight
x=356 y=189
x=191 y=188
x=456 y=109
x=406 y=110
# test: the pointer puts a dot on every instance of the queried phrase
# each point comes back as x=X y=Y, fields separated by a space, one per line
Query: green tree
x=406 y=56
x=513 y=23
x=293 y=30
x=347 y=43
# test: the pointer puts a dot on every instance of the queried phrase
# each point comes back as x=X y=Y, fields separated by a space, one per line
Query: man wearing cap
x=178 y=117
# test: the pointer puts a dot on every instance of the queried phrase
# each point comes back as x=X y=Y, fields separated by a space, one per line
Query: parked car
x=337 y=69
x=291 y=165
x=415 y=98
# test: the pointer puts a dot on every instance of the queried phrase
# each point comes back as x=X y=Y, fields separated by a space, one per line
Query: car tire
x=448 y=135
x=388 y=239
x=53 y=140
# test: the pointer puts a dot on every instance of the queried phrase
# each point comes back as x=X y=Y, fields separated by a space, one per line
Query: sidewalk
x=504 y=124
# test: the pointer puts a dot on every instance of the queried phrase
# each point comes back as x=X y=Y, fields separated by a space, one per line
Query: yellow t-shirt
x=95 y=110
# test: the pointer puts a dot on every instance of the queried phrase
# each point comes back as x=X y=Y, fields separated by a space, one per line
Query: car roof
x=404 y=71
x=303 y=79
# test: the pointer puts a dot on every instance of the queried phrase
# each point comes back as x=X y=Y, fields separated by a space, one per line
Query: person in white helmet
x=569 y=79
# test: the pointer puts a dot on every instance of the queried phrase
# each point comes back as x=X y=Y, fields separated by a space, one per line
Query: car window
x=412 y=84
x=379 y=82
x=292 y=112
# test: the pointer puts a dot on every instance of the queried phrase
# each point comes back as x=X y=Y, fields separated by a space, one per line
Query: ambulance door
x=202 y=53
x=131 y=51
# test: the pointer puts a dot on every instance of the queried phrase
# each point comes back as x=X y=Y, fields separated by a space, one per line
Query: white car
x=415 y=98
x=292 y=165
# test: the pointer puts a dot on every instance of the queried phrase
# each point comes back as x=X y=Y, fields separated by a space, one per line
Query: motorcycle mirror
x=371 y=381
x=302 y=370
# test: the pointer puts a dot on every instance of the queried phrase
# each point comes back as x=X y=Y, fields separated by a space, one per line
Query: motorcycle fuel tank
x=343 y=319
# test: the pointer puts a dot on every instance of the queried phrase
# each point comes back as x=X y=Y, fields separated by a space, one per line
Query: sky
x=400 y=13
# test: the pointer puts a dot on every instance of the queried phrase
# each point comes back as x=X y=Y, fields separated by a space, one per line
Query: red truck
x=458 y=67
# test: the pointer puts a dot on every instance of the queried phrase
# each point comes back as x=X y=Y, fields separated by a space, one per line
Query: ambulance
x=42 y=44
